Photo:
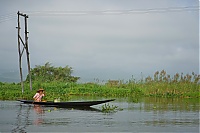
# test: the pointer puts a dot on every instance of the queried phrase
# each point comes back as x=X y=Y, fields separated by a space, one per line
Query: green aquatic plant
x=107 y=108
x=160 y=85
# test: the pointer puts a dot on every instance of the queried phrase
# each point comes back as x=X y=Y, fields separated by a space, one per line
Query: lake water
x=145 y=115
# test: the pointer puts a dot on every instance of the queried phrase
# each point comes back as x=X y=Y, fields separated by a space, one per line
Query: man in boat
x=38 y=96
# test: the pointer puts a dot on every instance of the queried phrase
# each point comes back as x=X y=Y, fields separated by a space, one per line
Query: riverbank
x=12 y=91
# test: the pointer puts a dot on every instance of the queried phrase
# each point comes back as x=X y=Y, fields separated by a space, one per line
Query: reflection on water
x=21 y=120
x=143 y=115
x=171 y=104
x=23 y=114
x=39 y=111
x=170 y=112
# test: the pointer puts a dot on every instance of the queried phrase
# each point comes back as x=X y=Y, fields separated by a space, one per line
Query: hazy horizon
x=105 y=39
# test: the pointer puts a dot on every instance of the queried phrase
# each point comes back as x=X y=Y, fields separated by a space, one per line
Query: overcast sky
x=105 y=39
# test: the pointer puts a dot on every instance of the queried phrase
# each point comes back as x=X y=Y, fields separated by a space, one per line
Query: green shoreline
x=58 y=83
x=12 y=91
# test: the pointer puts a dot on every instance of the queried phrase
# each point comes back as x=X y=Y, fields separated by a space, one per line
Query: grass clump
x=160 y=85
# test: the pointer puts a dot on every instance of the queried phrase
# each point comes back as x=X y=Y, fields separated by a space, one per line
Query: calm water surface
x=147 y=115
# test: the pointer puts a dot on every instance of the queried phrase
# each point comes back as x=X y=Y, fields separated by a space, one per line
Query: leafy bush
x=48 y=73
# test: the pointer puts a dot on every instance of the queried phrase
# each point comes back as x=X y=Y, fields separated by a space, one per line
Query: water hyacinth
x=161 y=85
x=106 y=108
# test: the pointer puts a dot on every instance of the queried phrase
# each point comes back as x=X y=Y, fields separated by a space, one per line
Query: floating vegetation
x=107 y=108
x=160 y=85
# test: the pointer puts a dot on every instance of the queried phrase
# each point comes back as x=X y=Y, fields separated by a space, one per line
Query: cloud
x=112 y=45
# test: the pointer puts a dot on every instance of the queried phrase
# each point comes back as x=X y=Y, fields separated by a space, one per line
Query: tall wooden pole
x=25 y=47
x=20 y=54
x=27 y=52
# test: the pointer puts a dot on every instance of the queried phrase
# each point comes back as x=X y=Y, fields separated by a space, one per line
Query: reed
x=160 y=85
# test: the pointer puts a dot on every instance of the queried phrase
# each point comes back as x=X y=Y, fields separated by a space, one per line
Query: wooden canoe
x=67 y=104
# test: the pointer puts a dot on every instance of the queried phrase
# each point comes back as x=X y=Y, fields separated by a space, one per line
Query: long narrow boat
x=67 y=104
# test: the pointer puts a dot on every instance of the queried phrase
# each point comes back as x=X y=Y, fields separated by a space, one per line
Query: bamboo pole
x=20 y=54
x=27 y=52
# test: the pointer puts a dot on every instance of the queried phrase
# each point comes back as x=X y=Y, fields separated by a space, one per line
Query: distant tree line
x=49 y=73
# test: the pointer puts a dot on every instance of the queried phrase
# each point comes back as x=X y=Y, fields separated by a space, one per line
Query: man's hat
x=40 y=90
